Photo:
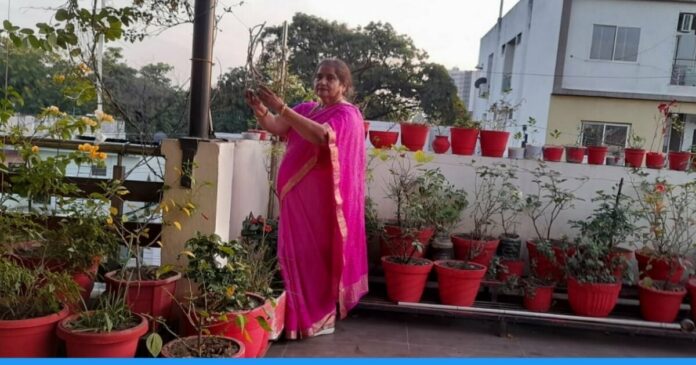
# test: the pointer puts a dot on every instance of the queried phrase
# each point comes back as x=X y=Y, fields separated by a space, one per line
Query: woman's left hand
x=270 y=99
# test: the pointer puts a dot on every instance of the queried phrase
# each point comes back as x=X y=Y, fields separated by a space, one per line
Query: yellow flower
x=84 y=68
x=88 y=121
x=103 y=117
x=109 y=220
x=35 y=149
x=101 y=155
x=421 y=157
x=52 y=110
x=58 y=79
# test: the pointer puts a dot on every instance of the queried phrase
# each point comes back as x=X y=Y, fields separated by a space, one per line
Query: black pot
x=509 y=246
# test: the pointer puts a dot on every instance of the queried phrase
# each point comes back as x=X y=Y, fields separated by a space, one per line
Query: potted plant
x=414 y=134
x=445 y=206
x=516 y=153
x=634 y=154
x=548 y=254
x=655 y=159
x=509 y=248
x=538 y=294
x=440 y=144
x=678 y=160
x=596 y=155
x=553 y=152
x=494 y=137
x=458 y=281
x=479 y=245
x=532 y=151
x=576 y=153
x=387 y=139
x=464 y=132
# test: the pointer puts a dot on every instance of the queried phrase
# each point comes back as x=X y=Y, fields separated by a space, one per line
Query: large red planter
x=540 y=301
x=395 y=243
x=383 y=139
x=167 y=350
x=440 y=144
x=679 y=161
x=405 y=282
x=633 y=157
x=592 y=300
x=596 y=155
x=255 y=339
x=34 y=337
x=112 y=344
x=494 y=143
x=152 y=297
x=463 y=248
x=509 y=269
x=660 y=306
x=574 y=154
x=691 y=286
x=553 y=153
x=654 y=160
x=659 y=267
x=546 y=269
x=413 y=136
x=458 y=286
x=464 y=140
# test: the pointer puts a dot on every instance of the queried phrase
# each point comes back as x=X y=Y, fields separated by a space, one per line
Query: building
x=462 y=79
x=596 y=76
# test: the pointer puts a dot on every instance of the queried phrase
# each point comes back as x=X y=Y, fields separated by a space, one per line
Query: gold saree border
x=295 y=179
x=326 y=322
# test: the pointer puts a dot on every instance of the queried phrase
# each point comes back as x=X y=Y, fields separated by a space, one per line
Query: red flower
x=267 y=228
x=660 y=188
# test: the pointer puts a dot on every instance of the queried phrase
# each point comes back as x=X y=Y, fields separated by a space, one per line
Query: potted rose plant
x=655 y=159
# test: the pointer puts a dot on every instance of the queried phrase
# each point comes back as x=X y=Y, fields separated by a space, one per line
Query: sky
x=448 y=30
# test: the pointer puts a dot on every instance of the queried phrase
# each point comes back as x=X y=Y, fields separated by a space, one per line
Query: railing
x=684 y=73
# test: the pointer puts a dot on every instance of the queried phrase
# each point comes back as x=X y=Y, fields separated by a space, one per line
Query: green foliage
x=488 y=201
x=260 y=240
x=111 y=313
x=443 y=202
x=612 y=221
x=593 y=264
x=31 y=293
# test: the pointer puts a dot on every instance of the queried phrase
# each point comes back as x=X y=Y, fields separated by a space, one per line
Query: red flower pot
x=458 y=286
x=509 y=269
x=547 y=269
x=633 y=157
x=574 y=154
x=691 y=286
x=659 y=267
x=679 y=161
x=480 y=252
x=538 y=299
x=440 y=144
x=660 y=306
x=596 y=155
x=152 y=297
x=33 y=337
x=83 y=279
x=383 y=139
x=395 y=242
x=654 y=160
x=592 y=300
x=122 y=343
x=168 y=349
x=464 y=140
x=413 y=136
x=494 y=143
x=254 y=337
x=405 y=282
x=553 y=153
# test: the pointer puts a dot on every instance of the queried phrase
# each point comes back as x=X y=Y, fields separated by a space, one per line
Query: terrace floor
x=378 y=334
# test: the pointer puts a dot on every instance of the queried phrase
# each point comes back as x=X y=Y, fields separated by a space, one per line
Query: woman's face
x=327 y=86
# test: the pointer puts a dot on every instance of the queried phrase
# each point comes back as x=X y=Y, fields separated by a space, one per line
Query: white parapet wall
x=458 y=170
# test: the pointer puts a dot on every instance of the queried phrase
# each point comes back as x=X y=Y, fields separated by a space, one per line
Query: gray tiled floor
x=375 y=334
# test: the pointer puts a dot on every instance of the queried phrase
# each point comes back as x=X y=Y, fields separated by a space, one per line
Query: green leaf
x=27 y=31
x=17 y=41
x=264 y=324
x=76 y=52
x=154 y=344
x=7 y=25
x=61 y=15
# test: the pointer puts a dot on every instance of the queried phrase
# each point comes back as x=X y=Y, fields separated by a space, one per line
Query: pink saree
x=321 y=243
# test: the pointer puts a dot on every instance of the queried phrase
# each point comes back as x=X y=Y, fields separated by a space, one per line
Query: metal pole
x=201 y=68
x=100 y=75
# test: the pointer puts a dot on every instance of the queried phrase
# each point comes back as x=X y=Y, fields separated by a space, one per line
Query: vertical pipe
x=201 y=68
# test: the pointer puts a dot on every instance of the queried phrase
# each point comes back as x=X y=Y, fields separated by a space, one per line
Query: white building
x=463 y=80
x=596 y=66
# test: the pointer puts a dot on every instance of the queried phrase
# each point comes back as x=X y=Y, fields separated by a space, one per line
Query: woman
x=321 y=185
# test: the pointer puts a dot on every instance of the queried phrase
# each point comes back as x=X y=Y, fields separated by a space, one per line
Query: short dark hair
x=342 y=71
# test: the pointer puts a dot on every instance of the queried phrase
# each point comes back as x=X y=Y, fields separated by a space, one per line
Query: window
x=614 y=43
x=508 y=63
x=98 y=171
x=608 y=134
x=684 y=66
x=484 y=88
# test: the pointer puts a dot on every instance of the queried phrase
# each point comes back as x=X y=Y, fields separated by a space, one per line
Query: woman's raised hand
x=269 y=98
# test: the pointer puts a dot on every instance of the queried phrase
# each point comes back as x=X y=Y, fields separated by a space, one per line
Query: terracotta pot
x=654 y=160
x=493 y=143
x=153 y=297
x=660 y=306
x=255 y=339
x=574 y=154
x=33 y=337
x=383 y=139
x=553 y=153
x=405 y=282
x=596 y=155
x=679 y=161
x=122 y=343
x=691 y=286
x=544 y=268
x=592 y=300
x=510 y=268
x=463 y=247
x=660 y=267
x=413 y=136
x=540 y=301
x=396 y=243
x=168 y=349
x=464 y=140
x=458 y=286
x=633 y=157
x=440 y=144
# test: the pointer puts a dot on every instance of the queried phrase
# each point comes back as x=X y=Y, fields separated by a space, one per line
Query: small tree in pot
x=509 y=248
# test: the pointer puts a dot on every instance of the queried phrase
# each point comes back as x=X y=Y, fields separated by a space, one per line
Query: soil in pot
x=211 y=347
